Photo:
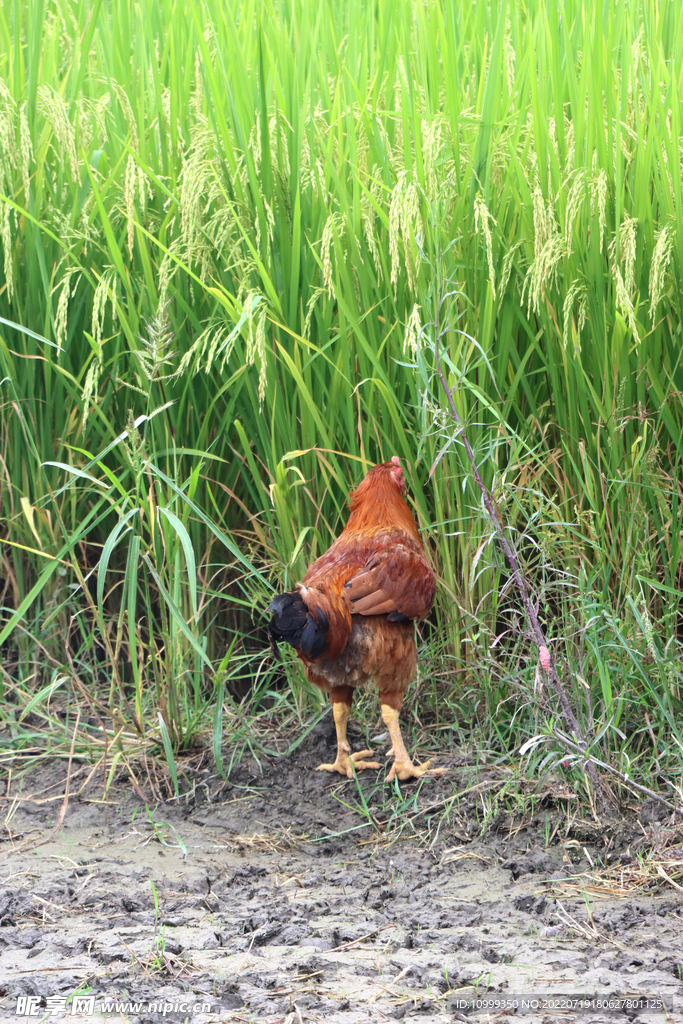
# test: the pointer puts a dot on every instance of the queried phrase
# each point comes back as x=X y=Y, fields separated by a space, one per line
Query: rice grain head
x=623 y=302
x=310 y=306
x=411 y=227
x=100 y=111
x=255 y=143
x=633 y=71
x=6 y=235
x=85 y=126
x=90 y=389
x=61 y=316
x=307 y=174
x=368 y=216
x=196 y=178
x=53 y=108
x=507 y=266
x=599 y=198
x=431 y=147
x=130 y=182
x=256 y=342
x=99 y=303
x=570 y=143
x=326 y=253
x=661 y=255
x=577 y=291
x=198 y=84
x=8 y=159
x=510 y=60
x=413 y=330
x=386 y=142
x=26 y=148
x=543 y=273
x=277 y=132
x=575 y=198
x=124 y=102
x=483 y=219
x=543 y=221
x=627 y=250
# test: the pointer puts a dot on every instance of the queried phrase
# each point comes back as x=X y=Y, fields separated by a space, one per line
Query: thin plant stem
x=546 y=656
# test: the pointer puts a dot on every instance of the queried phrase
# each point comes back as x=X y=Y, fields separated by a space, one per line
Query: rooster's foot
x=343 y=763
x=404 y=770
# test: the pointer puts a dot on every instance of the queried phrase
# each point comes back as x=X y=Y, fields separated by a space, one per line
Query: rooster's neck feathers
x=377 y=503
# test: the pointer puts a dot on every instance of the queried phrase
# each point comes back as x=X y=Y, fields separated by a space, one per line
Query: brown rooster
x=351 y=620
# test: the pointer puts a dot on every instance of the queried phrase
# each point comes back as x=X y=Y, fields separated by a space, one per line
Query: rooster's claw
x=403 y=771
x=343 y=763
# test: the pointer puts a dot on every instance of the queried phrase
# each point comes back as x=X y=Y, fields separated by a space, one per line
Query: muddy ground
x=241 y=902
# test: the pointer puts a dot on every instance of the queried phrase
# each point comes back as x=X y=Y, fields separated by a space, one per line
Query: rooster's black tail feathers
x=293 y=623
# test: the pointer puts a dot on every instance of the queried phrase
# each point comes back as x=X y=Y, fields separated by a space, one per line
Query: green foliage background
x=234 y=219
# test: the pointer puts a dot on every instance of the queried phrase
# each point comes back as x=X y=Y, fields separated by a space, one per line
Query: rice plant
x=224 y=228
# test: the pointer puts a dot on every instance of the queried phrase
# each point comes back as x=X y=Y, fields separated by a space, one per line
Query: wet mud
x=277 y=897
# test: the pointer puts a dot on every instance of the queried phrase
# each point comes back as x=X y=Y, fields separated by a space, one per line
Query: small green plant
x=157 y=962
x=156 y=901
x=166 y=835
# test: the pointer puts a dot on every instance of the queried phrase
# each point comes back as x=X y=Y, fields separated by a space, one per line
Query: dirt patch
x=279 y=897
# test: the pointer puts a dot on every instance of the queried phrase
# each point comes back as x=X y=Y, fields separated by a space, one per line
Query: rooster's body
x=351 y=620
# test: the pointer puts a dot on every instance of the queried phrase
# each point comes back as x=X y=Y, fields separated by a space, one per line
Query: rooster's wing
x=397 y=582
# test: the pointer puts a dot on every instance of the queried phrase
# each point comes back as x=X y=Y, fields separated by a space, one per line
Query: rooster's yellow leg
x=403 y=768
x=341 y=709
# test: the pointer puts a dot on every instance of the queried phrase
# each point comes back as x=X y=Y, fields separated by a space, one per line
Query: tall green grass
x=234 y=220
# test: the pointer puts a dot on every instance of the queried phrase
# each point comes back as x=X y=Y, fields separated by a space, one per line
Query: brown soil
x=240 y=902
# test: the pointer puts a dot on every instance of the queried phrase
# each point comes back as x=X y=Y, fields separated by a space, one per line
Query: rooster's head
x=396 y=474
